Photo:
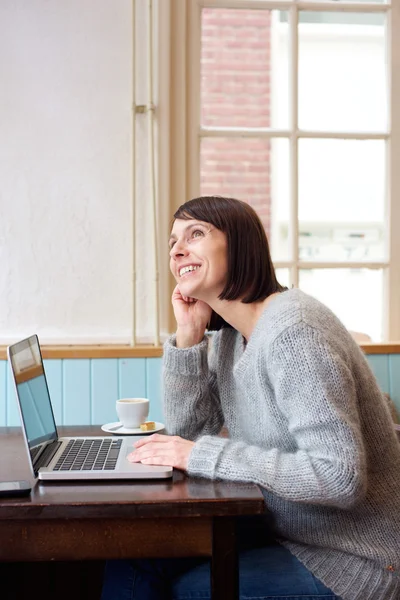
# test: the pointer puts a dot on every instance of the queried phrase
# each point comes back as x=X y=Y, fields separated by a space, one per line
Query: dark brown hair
x=251 y=274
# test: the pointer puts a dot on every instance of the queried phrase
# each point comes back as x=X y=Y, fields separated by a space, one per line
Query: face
x=198 y=258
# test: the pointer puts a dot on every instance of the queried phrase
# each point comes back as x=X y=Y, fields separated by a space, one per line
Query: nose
x=178 y=249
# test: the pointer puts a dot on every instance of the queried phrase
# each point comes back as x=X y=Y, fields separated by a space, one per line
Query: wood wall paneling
x=394 y=377
x=104 y=390
x=380 y=367
x=154 y=388
x=76 y=392
x=132 y=378
x=13 y=418
x=83 y=391
x=54 y=375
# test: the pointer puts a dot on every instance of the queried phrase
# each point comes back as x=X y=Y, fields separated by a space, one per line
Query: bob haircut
x=251 y=275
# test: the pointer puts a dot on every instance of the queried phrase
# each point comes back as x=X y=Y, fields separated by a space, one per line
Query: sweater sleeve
x=191 y=401
x=316 y=395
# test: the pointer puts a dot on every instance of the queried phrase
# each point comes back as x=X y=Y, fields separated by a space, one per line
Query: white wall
x=66 y=93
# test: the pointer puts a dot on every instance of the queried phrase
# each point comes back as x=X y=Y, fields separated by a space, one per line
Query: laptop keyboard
x=89 y=455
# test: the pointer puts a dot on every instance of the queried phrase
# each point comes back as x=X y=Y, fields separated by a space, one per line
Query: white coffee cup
x=132 y=411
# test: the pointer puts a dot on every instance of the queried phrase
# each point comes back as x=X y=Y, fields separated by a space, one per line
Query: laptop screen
x=33 y=394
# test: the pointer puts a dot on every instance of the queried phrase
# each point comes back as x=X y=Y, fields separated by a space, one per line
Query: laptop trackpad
x=144 y=468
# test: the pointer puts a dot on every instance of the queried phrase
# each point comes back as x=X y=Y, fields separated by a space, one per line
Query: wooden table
x=97 y=521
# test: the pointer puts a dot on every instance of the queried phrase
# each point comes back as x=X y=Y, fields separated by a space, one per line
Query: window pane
x=244 y=68
x=254 y=170
x=354 y=295
x=342 y=72
x=341 y=199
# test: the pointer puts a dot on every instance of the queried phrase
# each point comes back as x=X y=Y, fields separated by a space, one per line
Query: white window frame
x=186 y=130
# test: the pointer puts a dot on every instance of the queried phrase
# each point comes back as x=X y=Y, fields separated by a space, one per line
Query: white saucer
x=117 y=429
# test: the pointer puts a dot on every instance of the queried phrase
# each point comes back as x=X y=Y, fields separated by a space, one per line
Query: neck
x=242 y=317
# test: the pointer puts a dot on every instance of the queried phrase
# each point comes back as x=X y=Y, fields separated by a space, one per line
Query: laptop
x=54 y=458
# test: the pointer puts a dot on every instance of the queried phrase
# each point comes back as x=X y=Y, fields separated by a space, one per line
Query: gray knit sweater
x=307 y=423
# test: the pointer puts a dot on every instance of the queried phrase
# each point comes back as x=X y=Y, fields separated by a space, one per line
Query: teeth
x=187 y=269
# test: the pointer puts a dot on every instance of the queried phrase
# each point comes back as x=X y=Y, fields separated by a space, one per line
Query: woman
x=306 y=421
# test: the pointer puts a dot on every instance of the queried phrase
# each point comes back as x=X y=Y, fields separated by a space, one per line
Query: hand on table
x=166 y=450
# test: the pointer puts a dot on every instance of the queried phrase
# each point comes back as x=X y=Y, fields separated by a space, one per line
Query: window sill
x=96 y=351
x=147 y=351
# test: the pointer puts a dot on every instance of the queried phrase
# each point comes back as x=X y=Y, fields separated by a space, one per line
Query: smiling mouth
x=189 y=269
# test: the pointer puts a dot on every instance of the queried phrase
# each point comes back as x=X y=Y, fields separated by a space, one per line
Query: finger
x=151 y=450
x=176 y=294
x=151 y=460
x=133 y=457
x=137 y=456
x=155 y=437
x=177 y=291
x=144 y=454
x=157 y=460
x=163 y=461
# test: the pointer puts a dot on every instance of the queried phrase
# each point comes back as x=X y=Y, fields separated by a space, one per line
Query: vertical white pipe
x=392 y=275
x=294 y=143
x=133 y=182
x=385 y=319
x=150 y=113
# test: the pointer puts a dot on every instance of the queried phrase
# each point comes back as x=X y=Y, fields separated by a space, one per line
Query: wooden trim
x=178 y=118
x=96 y=351
x=120 y=351
x=384 y=348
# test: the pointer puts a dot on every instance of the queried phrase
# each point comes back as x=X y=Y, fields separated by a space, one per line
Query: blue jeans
x=266 y=571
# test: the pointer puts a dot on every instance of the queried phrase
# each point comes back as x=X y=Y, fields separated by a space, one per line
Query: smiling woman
x=307 y=422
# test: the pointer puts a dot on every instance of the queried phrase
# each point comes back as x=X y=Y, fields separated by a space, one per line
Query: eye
x=196 y=233
x=171 y=245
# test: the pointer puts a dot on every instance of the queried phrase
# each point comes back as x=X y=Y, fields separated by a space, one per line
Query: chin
x=188 y=290
x=192 y=291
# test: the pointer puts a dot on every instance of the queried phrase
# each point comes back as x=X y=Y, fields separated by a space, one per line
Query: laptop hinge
x=46 y=456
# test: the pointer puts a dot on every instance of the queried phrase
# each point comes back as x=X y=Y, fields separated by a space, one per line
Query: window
x=298 y=113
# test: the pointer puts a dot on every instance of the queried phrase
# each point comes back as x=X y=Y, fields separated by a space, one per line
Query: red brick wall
x=235 y=92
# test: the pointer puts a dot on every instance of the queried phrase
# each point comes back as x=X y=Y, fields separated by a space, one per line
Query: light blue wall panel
x=380 y=366
x=76 y=391
x=104 y=390
x=394 y=370
x=3 y=392
x=13 y=418
x=84 y=393
x=132 y=378
x=154 y=388
x=53 y=370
